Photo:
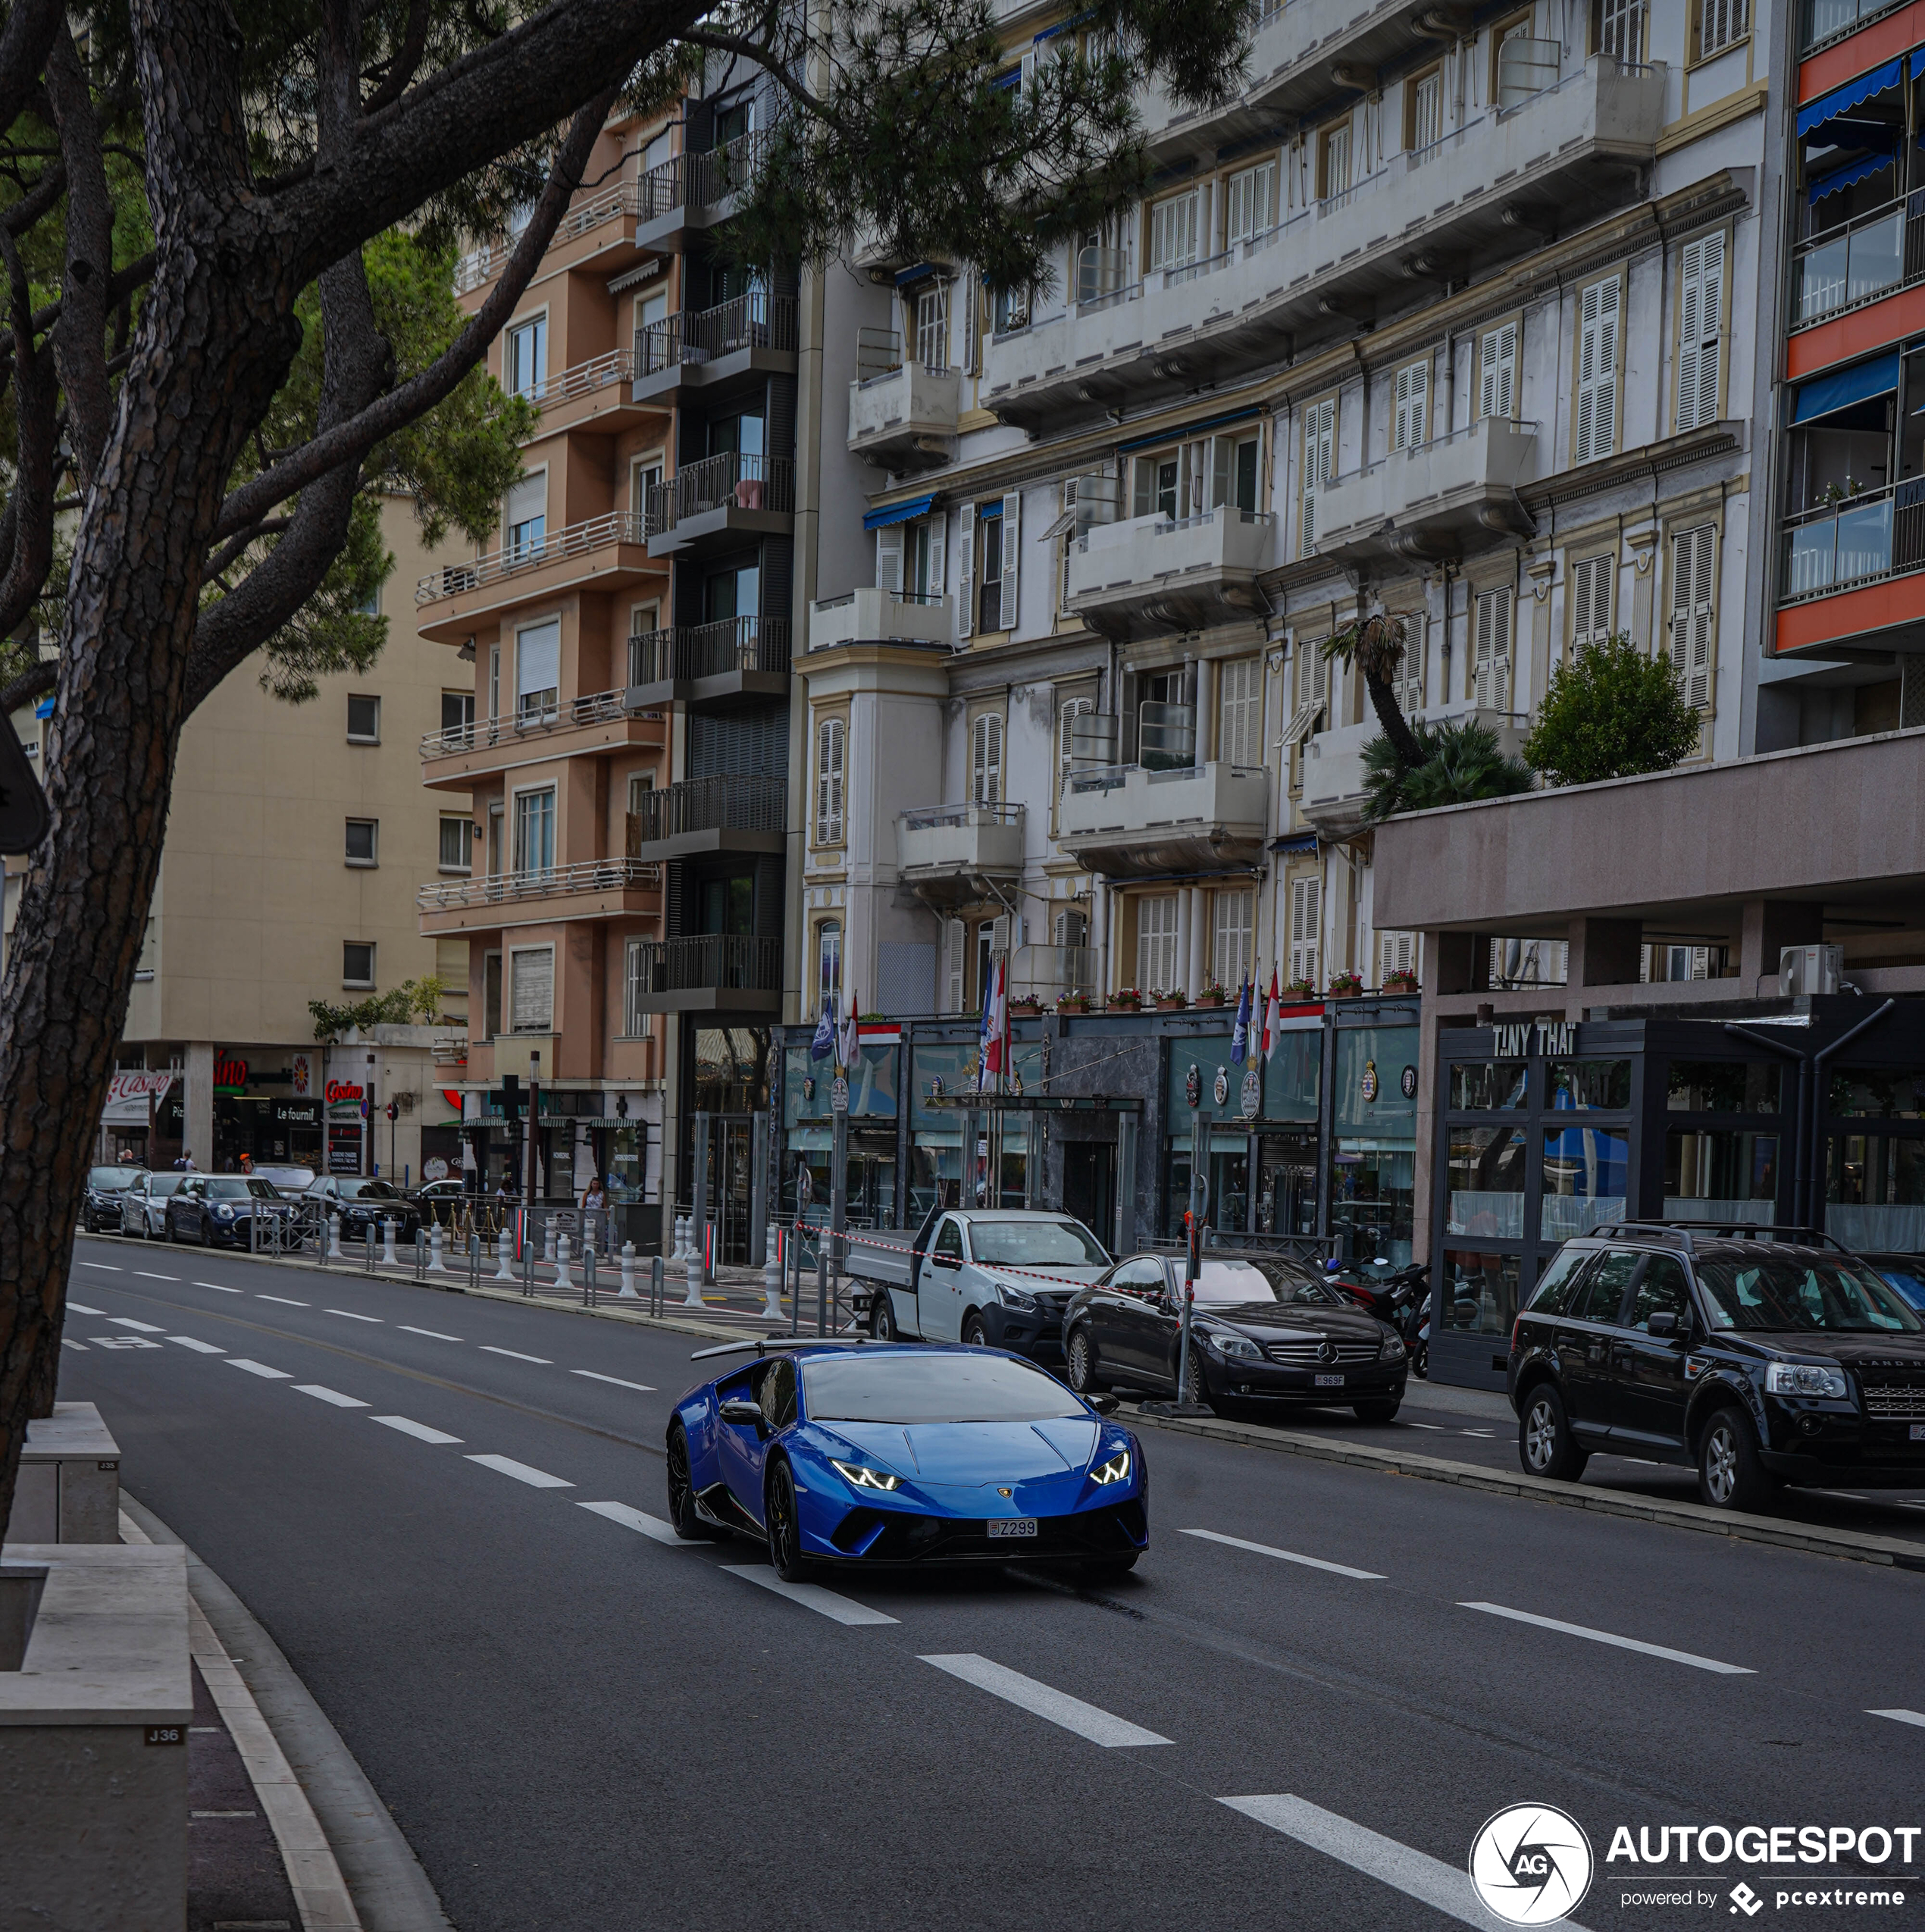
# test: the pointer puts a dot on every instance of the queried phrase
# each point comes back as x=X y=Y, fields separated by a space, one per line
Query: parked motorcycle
x=1399 y=1296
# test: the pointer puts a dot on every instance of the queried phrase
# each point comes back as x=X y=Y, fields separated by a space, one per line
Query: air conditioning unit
x=1804 y=970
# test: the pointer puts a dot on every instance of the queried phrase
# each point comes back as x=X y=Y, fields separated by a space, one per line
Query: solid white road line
x=105 y=1267
x=419 y=1430
x=200 y=1348
x=287 y=1302
x=349 y=1314
x=536 y=1479
x=1901 y=1717
x=811 y=1596
x=333 y=1396
x=1605 y=1636
x=67 y=1341
x=258 y=1368
x=127 y=1321
x=148 y=1275
x=1445 y=1888
x=1071 y=1713
x=651 y=1526
x=221 y=1288
x=81 y=1308
x=641 y=1387
x=432 y=1334
x=1286 y=1556
x=488 y=1348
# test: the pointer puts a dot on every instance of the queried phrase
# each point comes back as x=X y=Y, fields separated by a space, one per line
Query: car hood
x=1059 y=1283
x=1905 y=1351
x=1267 y=1318
x=971 y=1454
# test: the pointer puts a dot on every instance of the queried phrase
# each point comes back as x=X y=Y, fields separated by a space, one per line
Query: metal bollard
x=693 y=1299
x=367 y=1249
x=588 y=1273
x=389 y=1257
x=435 y=1266
x=772 y=1280
x=504 y=1256
x=474 y=1257
x=528 y=1264
x=655 y=1272
x=627 y=1290
x=334 y=1238
x=548 y=1237
x=420 y=1254
x=795 y=1282
x=822 y=1289
x=563 y=1280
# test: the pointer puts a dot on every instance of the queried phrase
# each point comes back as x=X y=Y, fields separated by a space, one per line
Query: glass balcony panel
x=1877 y=256
x=1822 y=279
x=1864 y=541
x=1809 y=556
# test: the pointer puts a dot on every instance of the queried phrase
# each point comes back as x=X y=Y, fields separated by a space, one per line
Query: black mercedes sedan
x=1265 y=1331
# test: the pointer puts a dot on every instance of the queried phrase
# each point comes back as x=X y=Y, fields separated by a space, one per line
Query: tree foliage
x=1612 y=712
x=1461 y=760
x=412 y=1000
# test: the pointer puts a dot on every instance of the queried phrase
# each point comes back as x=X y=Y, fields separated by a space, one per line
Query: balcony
x=1851 y=569
x=955 y=855
x=734 y=657
x=1571 y=148
x=719 y=498
x=902 y=415
x=600 y=888
x=1150 y=576
x=1047 y=973
x=754 y=335
x=881 y=617
x=691 y=193
x=1450 y=497
x=709 y=972
x=604 y=552
x=1334 y=799
x=595 y=393
x=603 y=720
x=737 y=813
x=622 y=203
x=1126 y=820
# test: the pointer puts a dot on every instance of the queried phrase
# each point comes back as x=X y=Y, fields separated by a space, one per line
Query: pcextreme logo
x=1531 y=1864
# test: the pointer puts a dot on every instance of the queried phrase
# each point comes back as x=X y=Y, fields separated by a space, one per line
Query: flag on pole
x=849 y=1042
x=1272 y=1017
x=994 y=1003
x=823 y=1044
x=1239 y=1032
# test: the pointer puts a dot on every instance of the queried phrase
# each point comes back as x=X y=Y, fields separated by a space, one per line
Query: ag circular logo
x=1531 y=1864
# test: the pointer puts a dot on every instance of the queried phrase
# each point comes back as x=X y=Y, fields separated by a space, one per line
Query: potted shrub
x=1402 y=980
x=1213 y=995
x=1345 y=986
x=1025 y=1006
x=1298 y=990
x=1125 y=999
x=1073 y=1002
x=1174 y=1002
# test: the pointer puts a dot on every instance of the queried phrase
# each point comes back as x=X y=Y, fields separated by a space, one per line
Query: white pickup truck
x=998 y=1278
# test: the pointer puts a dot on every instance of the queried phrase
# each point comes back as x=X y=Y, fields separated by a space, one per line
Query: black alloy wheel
x=779 y=1512
x=1546 y=1445
x=1196 y=1386
x=1081 y=1355
x=682 y=1514
x=1729 y=1474
x=882 y=1317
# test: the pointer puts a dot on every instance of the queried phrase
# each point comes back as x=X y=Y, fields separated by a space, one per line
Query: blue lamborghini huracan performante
x=864 y=1456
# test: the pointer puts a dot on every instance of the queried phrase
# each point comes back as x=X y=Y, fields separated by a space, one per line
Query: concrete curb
x=1814 y=1540
x=380 y=1884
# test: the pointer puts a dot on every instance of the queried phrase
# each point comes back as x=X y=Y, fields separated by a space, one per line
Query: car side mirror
x=1103 y=1404
x=1663 y=1325
x=740 y=1409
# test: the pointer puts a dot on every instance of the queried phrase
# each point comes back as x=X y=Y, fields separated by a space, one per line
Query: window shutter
x=527 y=499
x=1073 y=709
x=830 y=746
x=1320 y=461
x=966 y=571
x=1239 y=711
x=938 y=531
x=1693 y=584
x=1026 y=75
x=1011 y=552
x=972 y=322
x=1223 y=455
x=1408 y=683
x=1498 y=391
x=1413 y=397
x=955 y=947
x=1491 y=666
x=1229 y=953
x=1700 y=301
x=1304 y=914
x=1591 y=594
x=986 y=760
x=1596 y=428
x=531 y=997
x=889 y=559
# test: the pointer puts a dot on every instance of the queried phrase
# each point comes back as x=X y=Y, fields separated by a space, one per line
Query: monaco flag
x=994 y=1012
x=1272 y=1013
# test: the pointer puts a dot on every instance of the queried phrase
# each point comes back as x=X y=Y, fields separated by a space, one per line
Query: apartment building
x=1456 y=317
x=625 y=643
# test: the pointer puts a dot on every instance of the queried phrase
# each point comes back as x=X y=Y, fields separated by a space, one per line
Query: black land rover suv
x=1760 y=1360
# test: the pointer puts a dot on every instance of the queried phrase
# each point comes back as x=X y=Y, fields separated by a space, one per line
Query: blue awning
x=916 y=506
x=1847 y=176
x=1294 y=841
x=922 y=269
x=989 y=512
x=44 y=708
x=1854 y=93
x=1863 y=380
x=1186 y=429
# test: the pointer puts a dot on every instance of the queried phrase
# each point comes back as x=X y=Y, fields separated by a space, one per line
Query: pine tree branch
x=29 y=32
x=80 y=342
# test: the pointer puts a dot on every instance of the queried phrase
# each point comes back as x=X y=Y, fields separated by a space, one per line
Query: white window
x=1621 y=30
x=357 y=963
x=526 y=515
x=1336 y=159
x=965 y=571
x=1694 y=562
x=1426 y=110
x=1250 y=205
x=1156 y=943
x=1319 y=462
x=537 y=671
x=956 y=953
x=1410 y=423
x=634 y=1014
x=363 y=841
x=1010 y=555
x=1497 y=389
x=1397 y=952
x=932 y=327
x=1592 y=579
x=534 y=831
x=831 y=743
x=1720 y=22
x=828 y=968
x=531 y=993
x=1239 y=712
x=1490 y=669
x=1173 y=231
x=986 y=760
x=457 y=849
x=889 y=559
x=1305 y=895
x=1701 y=324
x=1595 y=432
x=1073 y=708
x=1231 y=915
x=526 y=361
x=1407 y=683
x=363 y=721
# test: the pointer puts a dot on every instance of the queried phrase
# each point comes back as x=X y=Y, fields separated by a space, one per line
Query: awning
x=989 y=512
x=1185 y=430
x=921 y=272
x=1294 y=841
x=1847 y=176
x=44 y=708
x=1863 y=380
x=916 y=506
x=1854 y=93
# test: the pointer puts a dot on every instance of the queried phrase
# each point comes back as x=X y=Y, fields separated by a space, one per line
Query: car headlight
x=1016 y=1298
x=1116 y=1469
x=1232 y=1345
x=223 y=1212
x=1393 y=1349
x=860 y=1476
x=1806 y=1379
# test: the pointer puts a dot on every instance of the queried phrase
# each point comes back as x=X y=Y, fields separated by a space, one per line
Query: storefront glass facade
x=1373 y=1150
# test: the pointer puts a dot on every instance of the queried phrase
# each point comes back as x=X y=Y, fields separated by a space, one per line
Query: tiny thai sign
x=1514 y=1039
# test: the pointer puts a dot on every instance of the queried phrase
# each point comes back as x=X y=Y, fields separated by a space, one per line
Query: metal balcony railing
x=757 y=319
x=484 y=264
x=709 y=650
x=1879 y=534
x=932 y=818
x=577 y=539
x=508 y=888
x=1859 y=260
x=1827 y=20
x=731 y=481
x=702 y=180
x=737 y=802
x=617 y=366
x=596 y=708
x=709 y=962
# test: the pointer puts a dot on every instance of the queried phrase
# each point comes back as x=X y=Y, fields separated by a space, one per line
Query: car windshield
x=1904 y=1274
x=1035 y=1244
x=1779 y=1294
x=165 y=1184
x=916 y=1387
x=112 y=1180
x=369 y=1191
x=225 y=1188
x=1237 y=1283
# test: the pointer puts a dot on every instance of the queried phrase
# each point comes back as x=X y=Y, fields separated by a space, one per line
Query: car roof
x=1012 y=1214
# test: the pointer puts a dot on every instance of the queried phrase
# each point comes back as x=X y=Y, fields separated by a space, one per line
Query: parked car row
x=220 y=1209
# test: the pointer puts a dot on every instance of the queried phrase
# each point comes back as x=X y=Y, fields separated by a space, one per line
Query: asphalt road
x=576 y=1723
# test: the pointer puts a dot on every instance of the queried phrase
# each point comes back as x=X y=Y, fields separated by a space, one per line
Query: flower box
x=1401 y=982
x=1073 y=1003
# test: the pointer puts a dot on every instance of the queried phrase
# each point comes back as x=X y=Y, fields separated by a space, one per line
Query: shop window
x=1589 y=1083
x=1486 y=1182
x=457 y=849
x=1895 y=1093
x=1875 y=1193
x=357 y=963
x=364 y=720
x=1586 y=1171
x=1721 y=1174
x=1480 y=1292
x=363 y=839
x=1488 y=1086
x=1722 y=1086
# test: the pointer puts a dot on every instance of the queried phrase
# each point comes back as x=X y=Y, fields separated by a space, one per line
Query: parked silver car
x=143 y=1207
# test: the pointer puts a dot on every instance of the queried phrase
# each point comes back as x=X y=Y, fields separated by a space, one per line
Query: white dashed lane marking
x=81 y=1308
x=105 y=1267
x=287 y=1302
x=536 y=1479
x=127 y=1321
x=333 y=1396
x=221 y=1288
x=67 y=1341
x=258 y=1368
x=1071 y=1713
x=419 y=1430
x=811 y=1596
x=488 y=1349
x=639 y=1388
x=200 y=1348
x=1901 y=1717
x=1286 y=1556
x=651 y=1526
x=148 y=1275
x=433 y=1335
x=1617 y=1642
x=349 y=1314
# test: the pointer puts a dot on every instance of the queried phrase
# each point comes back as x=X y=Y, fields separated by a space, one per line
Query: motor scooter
x=1399 y=1296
